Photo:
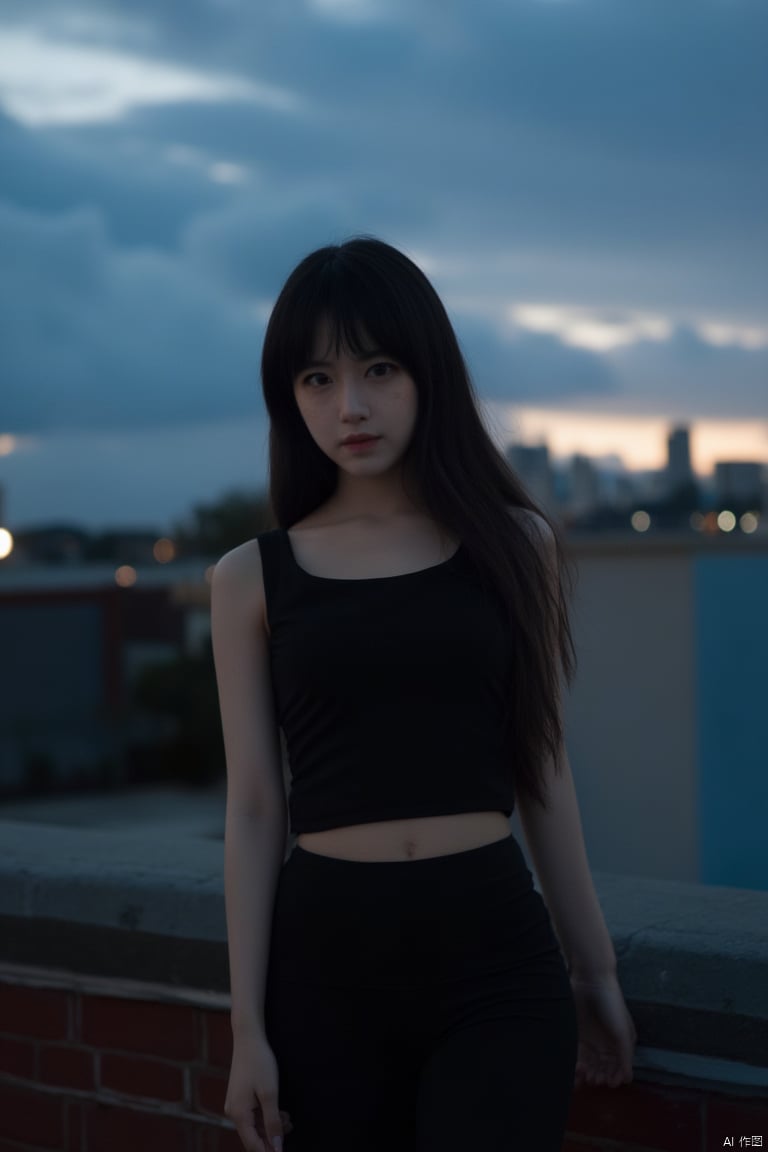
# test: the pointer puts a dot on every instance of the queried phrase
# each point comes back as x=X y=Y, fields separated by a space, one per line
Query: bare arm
x=555 y=840
x=254 y=839
x=256 y=814
x=554 y=836
x=556 y=844
x=254 y=848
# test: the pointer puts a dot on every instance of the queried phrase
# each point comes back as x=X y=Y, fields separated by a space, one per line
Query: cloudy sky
x=583 y=180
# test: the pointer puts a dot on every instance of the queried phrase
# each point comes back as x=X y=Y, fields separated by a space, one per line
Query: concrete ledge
x=124 y=880
x=693 y=960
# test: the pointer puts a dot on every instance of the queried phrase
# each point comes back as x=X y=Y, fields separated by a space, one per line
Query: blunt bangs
x=368 y=306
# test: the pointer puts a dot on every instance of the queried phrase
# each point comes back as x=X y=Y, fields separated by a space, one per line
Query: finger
x=250 y=1138
x=273 y=1127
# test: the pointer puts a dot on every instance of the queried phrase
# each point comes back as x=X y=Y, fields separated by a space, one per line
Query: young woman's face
x=370 y=394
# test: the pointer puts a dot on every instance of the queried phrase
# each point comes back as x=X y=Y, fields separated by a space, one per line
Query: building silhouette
x=738 y=484
x=584 y=485
x=679 y=473
x=532 y=464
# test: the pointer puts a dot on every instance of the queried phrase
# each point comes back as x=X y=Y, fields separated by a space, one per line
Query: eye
x=382 y=369
x=315 y=378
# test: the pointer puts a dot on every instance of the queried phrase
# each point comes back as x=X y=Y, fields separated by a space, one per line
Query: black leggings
x=419 y=1005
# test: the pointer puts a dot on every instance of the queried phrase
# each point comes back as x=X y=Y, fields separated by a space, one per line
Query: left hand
x=607 y=1034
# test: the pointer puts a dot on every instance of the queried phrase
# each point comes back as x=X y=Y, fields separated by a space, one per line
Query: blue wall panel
x=731 y=604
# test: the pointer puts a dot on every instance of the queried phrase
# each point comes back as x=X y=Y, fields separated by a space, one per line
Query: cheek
x=412 y=402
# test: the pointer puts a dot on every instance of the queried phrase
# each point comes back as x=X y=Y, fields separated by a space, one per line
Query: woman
x=397 y=982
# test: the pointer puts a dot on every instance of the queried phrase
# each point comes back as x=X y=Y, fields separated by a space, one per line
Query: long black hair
x=367 y=290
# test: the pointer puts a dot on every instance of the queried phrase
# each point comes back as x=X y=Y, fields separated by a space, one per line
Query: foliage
x=213 y=529
x=185 y=690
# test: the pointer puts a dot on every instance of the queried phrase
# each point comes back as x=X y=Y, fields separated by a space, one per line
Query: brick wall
x=87 y=1073
x=84 y=1072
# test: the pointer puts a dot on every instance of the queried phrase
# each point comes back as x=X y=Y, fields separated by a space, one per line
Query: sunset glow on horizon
x=640 y=441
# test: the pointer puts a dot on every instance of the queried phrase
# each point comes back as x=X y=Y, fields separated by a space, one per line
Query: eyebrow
x=367 y=355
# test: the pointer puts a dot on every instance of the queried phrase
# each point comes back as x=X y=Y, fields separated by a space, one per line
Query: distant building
x=739 y=483
x=52 y=544
x=650 y=484
x=532 y=464
x=584 y=486
x=69 y=544
x=74 y=640
x=679 y=473
x=623 y=492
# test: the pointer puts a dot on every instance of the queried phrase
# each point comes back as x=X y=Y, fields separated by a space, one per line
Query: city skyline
x=575 y=480
x=639 y=442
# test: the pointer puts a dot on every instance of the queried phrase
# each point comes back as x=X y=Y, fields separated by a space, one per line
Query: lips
x=359 y=439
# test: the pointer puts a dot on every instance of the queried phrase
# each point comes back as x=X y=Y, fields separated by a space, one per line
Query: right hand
x=607 y=1033
x=252 y=1092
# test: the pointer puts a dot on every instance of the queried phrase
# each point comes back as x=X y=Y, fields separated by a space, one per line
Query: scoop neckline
x=365 y=579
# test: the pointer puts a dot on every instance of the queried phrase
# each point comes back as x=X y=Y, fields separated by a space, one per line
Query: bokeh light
x=164 y=550
x=125 y=576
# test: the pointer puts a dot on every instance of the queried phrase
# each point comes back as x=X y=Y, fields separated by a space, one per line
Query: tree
x=214 y=529
x=185 y=690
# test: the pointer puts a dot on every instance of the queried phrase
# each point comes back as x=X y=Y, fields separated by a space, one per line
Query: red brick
x=209 y=1139
x=660 y=1118
x=587 y=1146
x=31 y=1117
x=139 y=1077
x=206 y=1139
x=210 y=1093
x=15 y=1146
x=17 y=1058
x=39 y=1012
x=67 y=1066
x=121 y=1130
x=229 y=1141
x=732 y=1116
x=140 y=1026
x=75 y=1126
x=219 y=1038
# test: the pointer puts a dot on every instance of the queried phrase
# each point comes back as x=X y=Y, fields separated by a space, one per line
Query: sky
x=584 y=182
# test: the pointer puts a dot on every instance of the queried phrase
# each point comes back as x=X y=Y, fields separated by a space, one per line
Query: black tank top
x=391 y=691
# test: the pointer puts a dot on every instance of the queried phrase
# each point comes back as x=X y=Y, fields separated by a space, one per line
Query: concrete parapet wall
x=114 y=1008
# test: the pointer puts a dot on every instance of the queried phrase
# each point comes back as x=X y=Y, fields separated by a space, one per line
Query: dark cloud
x=621 y=127
x=95 y=338
x=530 y=368
x=142 y=199
x=98 y=339
x=688 y=377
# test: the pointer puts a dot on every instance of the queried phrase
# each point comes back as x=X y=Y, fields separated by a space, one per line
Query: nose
x=353 y=400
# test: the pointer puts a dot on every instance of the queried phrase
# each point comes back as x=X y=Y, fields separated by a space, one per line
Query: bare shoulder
x=240 y=562
x=239 y=574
